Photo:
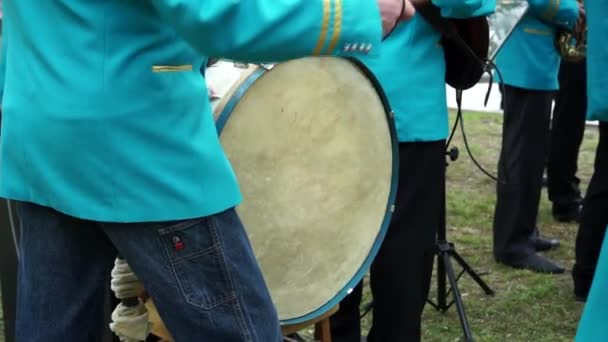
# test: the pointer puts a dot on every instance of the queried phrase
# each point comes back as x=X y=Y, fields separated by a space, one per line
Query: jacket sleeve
x=465 y=8
x=558 y=12
x=2 y=63
x=275 y=30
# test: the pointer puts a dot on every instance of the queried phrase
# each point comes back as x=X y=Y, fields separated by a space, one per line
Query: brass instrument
x=572 y=45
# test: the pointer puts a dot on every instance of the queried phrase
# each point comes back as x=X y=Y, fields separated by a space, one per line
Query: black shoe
x=542 y=244
x=535 y=263
x=567 y=213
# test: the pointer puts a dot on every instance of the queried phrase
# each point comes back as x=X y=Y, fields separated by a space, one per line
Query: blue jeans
x=207 y=288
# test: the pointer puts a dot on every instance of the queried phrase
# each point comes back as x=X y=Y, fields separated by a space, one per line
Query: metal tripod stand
x=445 y=251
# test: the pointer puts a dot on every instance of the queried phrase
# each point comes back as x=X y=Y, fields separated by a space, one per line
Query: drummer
x=411 y=69
x=108 y=144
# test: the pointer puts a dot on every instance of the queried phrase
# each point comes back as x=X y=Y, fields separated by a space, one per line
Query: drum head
x=315 y=154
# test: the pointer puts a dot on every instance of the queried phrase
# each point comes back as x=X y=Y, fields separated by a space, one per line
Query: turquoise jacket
x=597 y=60
x=529 y=58
x=411 y=70
x=592 y=325
x=105 y=112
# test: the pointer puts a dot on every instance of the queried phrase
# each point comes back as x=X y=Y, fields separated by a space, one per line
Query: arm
x=558 y=12
x=465 y=8
x=273 y=30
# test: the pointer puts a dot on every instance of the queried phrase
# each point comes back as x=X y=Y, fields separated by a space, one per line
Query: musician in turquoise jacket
x=411 y=70
x=528 y=65
x=591 y=264
x=108 y=146
x=591 y=252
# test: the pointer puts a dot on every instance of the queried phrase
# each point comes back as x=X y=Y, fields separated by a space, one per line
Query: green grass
x=527 y=306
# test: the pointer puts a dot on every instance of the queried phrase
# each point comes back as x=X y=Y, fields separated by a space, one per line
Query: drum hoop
x=225 y=116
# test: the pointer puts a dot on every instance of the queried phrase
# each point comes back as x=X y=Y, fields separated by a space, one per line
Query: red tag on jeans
x=178 y=244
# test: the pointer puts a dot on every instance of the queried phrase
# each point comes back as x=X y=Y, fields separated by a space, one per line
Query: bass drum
x=314 y=147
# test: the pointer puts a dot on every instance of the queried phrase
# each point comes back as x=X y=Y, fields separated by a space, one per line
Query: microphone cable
x=460 y=120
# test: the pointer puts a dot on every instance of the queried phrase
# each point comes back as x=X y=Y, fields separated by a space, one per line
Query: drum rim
x=223 y=118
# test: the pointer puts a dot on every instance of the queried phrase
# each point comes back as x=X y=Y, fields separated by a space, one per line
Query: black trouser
x=567 y=130
x=8 y=273
x=521 y=165
x=400 y=275
x=594 y=218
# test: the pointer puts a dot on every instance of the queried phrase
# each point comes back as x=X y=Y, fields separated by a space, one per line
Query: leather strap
x=432 y=14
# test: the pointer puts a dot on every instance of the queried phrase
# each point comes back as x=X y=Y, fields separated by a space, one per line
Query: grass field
x=527 y=306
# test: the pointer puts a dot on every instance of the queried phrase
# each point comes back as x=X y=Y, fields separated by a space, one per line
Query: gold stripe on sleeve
x=171 y=68
x=324 y=27
x=552 y=9
x=337 y=26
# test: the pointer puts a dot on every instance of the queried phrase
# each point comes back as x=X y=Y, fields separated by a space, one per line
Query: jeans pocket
x=196 y=256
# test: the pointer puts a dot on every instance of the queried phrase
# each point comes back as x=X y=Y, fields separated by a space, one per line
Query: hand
x=409 y=9
x=582 y=15
x=212 y=94
x=581 y=21
x=392 y=11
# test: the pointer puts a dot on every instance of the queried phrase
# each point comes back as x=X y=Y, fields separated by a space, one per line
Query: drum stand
x=445 y=251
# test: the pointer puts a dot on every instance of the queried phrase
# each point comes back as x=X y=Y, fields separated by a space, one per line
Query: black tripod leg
x=442 y=291
x=457 y=298
x=472 y=273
